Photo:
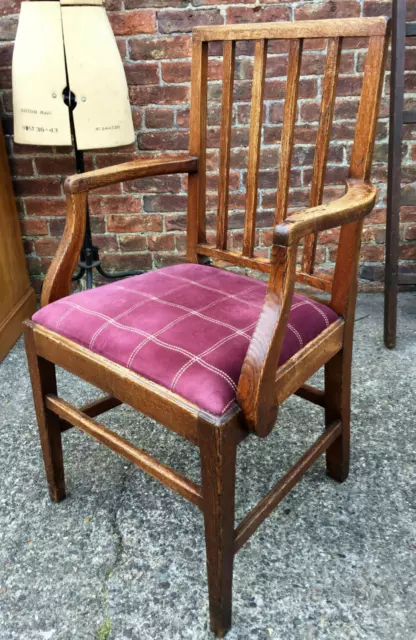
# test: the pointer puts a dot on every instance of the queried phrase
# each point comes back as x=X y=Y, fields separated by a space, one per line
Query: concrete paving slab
x=123 y=557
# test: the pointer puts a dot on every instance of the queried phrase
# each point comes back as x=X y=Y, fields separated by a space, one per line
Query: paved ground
x=123 y=557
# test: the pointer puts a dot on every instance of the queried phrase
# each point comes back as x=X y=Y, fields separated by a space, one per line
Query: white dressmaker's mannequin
x=69 y=87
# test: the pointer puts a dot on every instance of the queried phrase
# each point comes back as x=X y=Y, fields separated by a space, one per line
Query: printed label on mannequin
x=35 y=112
x=108 y=128
x=26 y=127
x=38 y=128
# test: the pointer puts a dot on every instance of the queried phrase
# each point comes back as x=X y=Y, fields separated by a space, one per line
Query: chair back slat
x=225 y=143
x=256 y=117
x=322 y=143
x=288 y=130
x=196 y=221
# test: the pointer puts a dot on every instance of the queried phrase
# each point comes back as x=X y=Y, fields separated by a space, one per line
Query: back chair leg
x=42 y=374
x=218 y=468
x=337 y=407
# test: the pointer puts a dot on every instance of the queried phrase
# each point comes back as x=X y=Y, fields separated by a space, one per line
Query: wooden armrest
x=354 y=205
x=58 y=280
x=162 y=165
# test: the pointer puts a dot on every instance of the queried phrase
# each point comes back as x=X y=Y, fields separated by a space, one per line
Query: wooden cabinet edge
x=11 y=327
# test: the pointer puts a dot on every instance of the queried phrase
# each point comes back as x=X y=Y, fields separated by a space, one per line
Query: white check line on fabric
x=121 y=315
x=183 y=317
x=210 y=350
x=192 y=312
x=206 y=353
x=296 y=333
x=63 y=316
x=229 y=295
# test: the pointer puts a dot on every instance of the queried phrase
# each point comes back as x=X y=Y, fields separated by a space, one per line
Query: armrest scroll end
x=357 y=202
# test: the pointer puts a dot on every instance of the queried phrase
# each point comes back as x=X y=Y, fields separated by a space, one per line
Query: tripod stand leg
x=89 y=277
x=78 y=275
x=121 y=274
x=90 y=258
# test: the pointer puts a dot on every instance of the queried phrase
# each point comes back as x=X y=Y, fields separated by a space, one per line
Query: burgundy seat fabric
x=185 y=327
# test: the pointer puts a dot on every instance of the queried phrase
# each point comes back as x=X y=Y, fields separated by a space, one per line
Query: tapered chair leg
x=337 y=407
x=218 y=467
x=43 y=378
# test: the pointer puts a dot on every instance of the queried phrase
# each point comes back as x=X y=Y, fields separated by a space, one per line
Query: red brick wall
x=142 y=224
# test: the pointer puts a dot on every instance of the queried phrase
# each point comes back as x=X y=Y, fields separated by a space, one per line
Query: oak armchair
x=209 y=353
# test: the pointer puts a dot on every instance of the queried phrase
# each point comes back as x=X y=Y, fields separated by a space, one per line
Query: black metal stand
x=89 y=257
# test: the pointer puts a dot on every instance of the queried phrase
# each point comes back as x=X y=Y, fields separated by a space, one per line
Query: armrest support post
x=57 y=283
x=256 y=387
x=256 y=391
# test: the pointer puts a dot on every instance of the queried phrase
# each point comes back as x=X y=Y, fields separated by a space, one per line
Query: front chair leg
x=42 y=374
x=338 y=407
x=218 y=449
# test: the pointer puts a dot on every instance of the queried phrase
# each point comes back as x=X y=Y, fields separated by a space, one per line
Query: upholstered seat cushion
x=186 y=327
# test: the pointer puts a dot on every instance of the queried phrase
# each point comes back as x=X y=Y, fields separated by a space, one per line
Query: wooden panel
x=102 y=117
x=256 y=118
x=39 y=77
x=197 y=147
x=17 y=298
x=120 y=445
x=11 y=326
x=288 y=130
x=348 y=27
x=322 y=143
x=225 y=144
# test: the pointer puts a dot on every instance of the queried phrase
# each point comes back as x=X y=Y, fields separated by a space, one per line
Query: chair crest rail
x=347 y=27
